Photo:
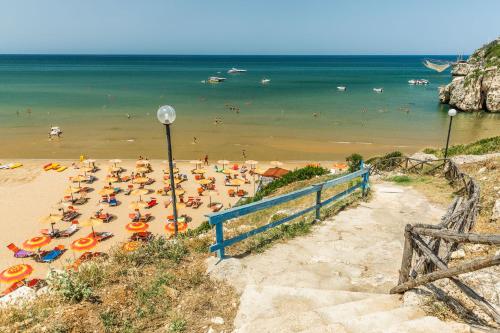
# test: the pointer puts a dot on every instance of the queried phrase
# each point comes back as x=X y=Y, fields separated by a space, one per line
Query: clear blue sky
x=247 y=26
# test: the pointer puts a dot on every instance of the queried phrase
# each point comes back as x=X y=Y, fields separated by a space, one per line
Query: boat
x=265 y=81
x=419 y=82
x=236 y=70
x=378 y=90
x=216 y=79
x=55 y=131
x=341 y=88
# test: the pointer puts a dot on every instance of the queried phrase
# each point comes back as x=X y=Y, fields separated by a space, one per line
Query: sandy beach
x=29 y=193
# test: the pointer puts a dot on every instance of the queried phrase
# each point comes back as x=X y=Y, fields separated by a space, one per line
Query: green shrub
x=158 y=249
x=354 y=162
x=400 y=179
x=70 y=286
x=480 y=147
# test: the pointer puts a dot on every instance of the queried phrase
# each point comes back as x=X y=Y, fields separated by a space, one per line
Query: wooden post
x=404 y=272
x=219 y=238
x=318 y=204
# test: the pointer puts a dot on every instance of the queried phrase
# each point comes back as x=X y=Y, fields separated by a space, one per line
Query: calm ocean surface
x=90 y=97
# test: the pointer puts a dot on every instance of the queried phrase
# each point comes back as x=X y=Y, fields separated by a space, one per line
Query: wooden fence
x=427 y=248
x=218 y=219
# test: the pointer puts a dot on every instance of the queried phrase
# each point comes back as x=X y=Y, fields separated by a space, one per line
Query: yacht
x=265 y=81
x=378 y=90
x=216 y=79
x=236 y=70
x=341 y=88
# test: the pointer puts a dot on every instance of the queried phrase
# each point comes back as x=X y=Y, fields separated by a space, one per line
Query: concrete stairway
x=337 y=278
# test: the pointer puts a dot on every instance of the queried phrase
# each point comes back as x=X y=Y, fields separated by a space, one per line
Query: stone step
x=273 y=301
x=295 y=321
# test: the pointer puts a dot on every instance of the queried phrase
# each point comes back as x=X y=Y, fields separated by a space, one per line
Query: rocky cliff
x=476 y=82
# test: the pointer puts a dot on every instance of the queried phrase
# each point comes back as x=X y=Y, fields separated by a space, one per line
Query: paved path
x=337 y=278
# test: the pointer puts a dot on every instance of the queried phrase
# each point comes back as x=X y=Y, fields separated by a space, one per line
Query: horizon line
x=228 y=55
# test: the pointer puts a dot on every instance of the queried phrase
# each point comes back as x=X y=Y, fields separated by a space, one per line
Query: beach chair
x=113 y=202
x=218 y=170
x=70 y=214
x=20 y=253
x=86 y=256
x=197 y=203
x=235 y=167
x=70 y=231
x=231 y=193
x=200 y=190
x=50 y=256
x=50 y=233
x=190 y=201
x=145 y=218
x=151 y=203
x=101 y=236
x=216 y=207
x=125 y=179
x=241 y=193
x=81 y=200
x=143 y=236
x=129 y=189
x=150 y=181
x=105 y=217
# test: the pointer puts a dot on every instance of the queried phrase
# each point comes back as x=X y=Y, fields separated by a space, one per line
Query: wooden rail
x=218 y=219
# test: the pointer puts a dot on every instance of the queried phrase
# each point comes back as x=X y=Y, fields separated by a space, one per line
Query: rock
x=477 y=248
x=424 y=157
x=496 y=211
x=18 y=296
x=211 y=330
x=483 y=169
x=476 y=83
x=458 y=254
x=217 y=320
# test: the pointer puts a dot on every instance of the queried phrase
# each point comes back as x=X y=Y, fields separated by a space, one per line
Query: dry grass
x=163 y=287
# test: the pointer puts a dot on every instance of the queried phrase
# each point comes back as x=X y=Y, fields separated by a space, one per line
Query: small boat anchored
x=420 y=82
x=378 y=90
x=55 y=131
x=235 y=70
x=341 y=88
x=216 y=79
x=265 y=81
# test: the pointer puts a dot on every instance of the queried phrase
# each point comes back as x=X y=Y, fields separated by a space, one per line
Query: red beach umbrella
x=84 y=244
x=16 y=273
x=36 y=242
x=137 y=226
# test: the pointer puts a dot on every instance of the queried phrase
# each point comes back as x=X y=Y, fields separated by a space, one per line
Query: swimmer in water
x=128 y=115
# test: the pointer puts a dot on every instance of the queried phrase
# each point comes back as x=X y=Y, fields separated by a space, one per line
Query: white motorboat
x=341 y=88
x=378 y=90
x=236 y=70
x=265 y=81
x=418 y=82
x=55 y=131
x=216 y=79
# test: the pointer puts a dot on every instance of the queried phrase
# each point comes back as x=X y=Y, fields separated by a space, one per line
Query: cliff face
x=476 y=83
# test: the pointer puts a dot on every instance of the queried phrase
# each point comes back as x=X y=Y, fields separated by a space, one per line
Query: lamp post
x=452 y=113
x=166 y=116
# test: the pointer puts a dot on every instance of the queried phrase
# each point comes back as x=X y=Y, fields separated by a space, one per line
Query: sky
x=247 y=26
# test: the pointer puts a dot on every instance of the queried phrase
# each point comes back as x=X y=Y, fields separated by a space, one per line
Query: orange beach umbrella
x=170 y=227
x=36 y=242
x=84 y=244
x=131 y=246
x=136 y=226
x=16 y=273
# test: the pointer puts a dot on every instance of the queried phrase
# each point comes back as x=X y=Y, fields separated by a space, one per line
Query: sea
x=106 y=106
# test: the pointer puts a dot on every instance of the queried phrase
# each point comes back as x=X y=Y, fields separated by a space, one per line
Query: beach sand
x=29 y=193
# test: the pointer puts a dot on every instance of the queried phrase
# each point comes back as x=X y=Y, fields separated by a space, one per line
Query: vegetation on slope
x=480 y=147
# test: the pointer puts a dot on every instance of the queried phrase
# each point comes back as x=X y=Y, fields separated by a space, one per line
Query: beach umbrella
x=176 y=170
x=176 y=181
x=177 y=192
x=141 y=169
x=115 y=161
x=252 y=163
x=276 y=163
x=88 y=161
x=78 y=179
x=52 y=219
x=139 y=192
x=84 y=244
x=91 y=222
x=114 y=169
x=237 y=182
x=88 y=169
x=140 y=180
x=36 y=242
x=223 y=162
x=136 y=226
x=131 y=246
x=106 y=191
x=259 y=171
x=230 y=171
x=72 y=189
x=142 y=162
x=204 y=181
x=181 y=227
x=138 y=204
x=112 y=179
x=200 y=171
x=16 y=273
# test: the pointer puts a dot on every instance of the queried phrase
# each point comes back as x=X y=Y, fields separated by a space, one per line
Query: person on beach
x=244 y=152
x=195 y=140
x=206 y=159
x=137 y=215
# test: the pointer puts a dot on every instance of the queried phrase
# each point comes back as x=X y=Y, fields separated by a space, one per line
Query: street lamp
x=452 y=113
x=166 y=116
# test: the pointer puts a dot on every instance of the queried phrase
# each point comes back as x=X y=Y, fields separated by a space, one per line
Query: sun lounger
x=86 y=256
x=216 y=207
x=19 y=253
x=231 y=193
x=81 y=200
x=33 y=283
x=113 y=202
x=70 y=215
x=241 y=193
x=197 y=203
x=69 y=231
x=50 y=256
x=101 y=236
x=151 y=203
x=50 y=233
x=141 y=236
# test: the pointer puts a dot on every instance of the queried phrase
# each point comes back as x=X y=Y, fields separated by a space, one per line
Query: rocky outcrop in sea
x=476 y=82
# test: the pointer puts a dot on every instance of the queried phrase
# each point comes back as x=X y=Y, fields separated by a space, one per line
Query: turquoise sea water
x=90 y=97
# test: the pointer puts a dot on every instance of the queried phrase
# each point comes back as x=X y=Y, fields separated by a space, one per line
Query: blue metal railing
x=219 y=218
